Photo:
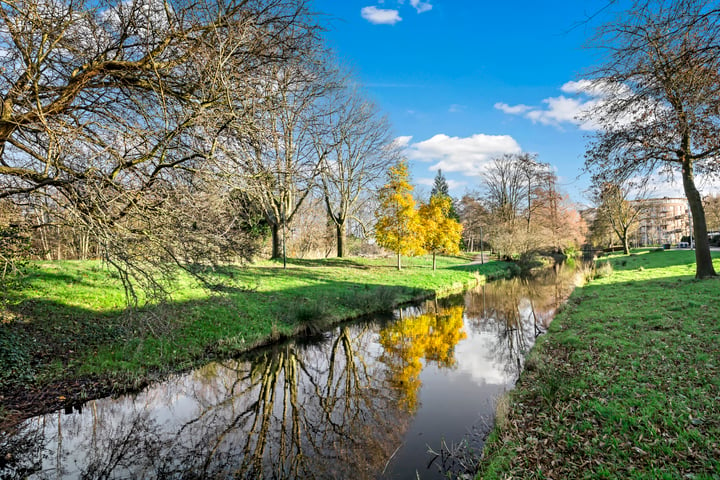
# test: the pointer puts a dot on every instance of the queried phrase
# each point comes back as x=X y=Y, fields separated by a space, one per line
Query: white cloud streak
x=513 y=110
x=380 y=16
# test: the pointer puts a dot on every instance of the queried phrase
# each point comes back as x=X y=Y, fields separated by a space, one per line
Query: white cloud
x=380 y=16
x=468 y=155
x=421 y=6
x=512 y=110
x=403 y=141
x=586 y=96
x=561 y=110
x=456 y=108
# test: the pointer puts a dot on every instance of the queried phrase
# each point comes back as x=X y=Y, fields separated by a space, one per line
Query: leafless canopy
x=355 y=149
x=661 y=86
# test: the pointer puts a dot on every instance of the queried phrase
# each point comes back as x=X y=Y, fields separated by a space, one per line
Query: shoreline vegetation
x=626 y=383
x=68 y=336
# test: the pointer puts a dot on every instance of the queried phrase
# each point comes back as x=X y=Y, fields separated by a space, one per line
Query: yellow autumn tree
x=398 y=225
x=441 y=233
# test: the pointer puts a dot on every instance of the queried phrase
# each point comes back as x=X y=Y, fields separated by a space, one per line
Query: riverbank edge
x=73 y=391
x=588 y=405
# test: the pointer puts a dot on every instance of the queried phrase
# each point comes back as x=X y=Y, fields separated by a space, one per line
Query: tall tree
x=473 y=217
x=398 y=226
x=441 y=233
x=661 y=110
x=505 y=184
x=556 y=224
x=275 y=160
x=355 y=149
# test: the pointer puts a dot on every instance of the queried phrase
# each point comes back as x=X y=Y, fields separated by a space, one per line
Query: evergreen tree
x=440 y=187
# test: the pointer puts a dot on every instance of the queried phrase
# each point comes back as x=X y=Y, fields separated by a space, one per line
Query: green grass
x=67 y=335
x=626 y=384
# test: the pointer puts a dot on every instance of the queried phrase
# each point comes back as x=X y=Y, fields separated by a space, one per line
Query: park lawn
x=625 y=385
x=68 y=336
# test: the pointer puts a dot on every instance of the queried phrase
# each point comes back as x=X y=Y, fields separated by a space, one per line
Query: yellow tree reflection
x=431 y=337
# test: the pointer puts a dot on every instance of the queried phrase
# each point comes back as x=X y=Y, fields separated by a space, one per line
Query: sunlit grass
x=625 y=385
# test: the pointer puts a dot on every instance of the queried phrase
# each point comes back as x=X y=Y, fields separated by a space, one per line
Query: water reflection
x=429 y=336
x=365 y=401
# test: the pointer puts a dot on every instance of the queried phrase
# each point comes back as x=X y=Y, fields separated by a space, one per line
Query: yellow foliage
x=398 y=224
x=432 y=337
x=441 y=234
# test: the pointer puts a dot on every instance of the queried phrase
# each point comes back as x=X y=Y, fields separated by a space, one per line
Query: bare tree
x=275 y=162
x=528 y=213
x=114 y=109
x=557 y=225
x=614 y=208
x=506 y=189
x=661 y=110
x=473 y=217
x=355 y=148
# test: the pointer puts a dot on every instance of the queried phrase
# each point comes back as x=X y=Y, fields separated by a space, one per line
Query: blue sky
x=464 y=80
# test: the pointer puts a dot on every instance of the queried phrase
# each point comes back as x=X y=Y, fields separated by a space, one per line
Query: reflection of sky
x=474 y=361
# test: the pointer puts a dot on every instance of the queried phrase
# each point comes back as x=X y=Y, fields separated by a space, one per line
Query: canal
x=406 y=396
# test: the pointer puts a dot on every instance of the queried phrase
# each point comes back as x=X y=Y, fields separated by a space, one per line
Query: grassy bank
x=626 y=384
x=66 y=335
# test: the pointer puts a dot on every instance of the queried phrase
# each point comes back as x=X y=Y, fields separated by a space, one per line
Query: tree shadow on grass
x=325 y=262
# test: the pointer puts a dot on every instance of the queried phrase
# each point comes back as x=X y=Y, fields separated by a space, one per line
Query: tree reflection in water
x=517 y=310
x=335 y=409
x=431 y=336
x=290 y=412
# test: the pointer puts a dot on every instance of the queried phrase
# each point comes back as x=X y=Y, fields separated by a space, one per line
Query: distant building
x=663 y=220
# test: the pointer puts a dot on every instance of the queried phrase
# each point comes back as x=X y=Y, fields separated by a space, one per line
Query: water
x=401 y=398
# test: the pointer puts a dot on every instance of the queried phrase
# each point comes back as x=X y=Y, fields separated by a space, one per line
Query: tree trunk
x=276 y=241
x=340 y=234
x=433 y=260
x=703 y=260
x=626 y=244
x=399 y=266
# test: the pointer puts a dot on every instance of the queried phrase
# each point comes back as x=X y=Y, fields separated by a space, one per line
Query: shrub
x=603 y=269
